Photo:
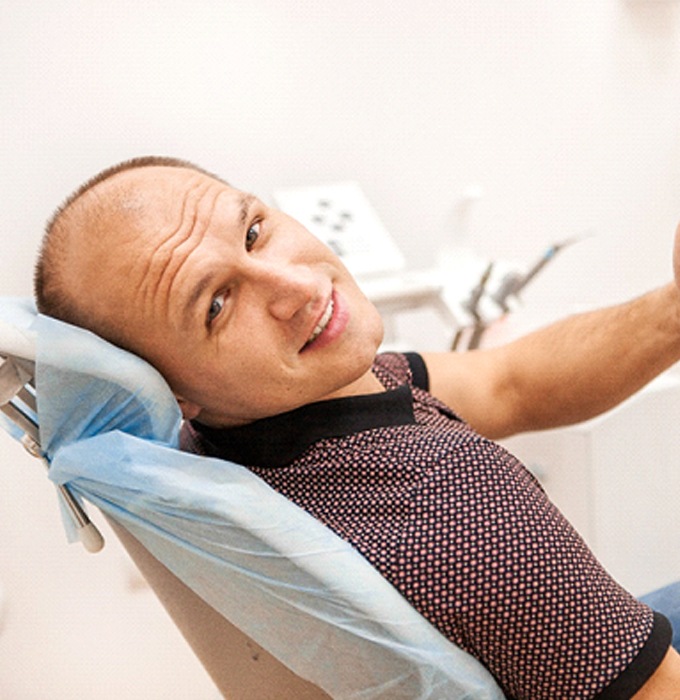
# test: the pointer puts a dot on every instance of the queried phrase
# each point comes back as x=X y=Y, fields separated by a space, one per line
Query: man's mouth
x=321 y=325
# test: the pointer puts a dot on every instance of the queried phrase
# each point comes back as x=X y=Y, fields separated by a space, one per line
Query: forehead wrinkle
x=173 y=250
x=151 y=261
x=207 y=280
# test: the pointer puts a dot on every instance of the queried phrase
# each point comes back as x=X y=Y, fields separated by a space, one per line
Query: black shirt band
x=644 y=665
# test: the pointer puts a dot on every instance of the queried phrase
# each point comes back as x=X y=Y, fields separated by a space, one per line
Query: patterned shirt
x=462 y=529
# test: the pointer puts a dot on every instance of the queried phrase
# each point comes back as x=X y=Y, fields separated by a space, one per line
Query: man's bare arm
x=565 y=373
x=665 y=683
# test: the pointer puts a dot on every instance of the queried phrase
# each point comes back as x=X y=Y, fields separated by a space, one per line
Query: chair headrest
x=86 y=386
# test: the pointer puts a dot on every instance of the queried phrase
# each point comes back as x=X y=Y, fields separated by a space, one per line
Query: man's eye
x=252 y=235
x=216 y=306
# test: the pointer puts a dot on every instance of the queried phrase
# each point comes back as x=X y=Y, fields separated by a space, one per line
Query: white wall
x=564 y=113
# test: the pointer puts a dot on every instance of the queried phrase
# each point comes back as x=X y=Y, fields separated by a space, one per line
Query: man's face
x=243 y=311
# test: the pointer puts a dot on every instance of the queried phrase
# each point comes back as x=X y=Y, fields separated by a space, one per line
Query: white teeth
x=323 y=322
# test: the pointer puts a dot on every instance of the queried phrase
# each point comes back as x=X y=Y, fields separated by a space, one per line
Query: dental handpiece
x=513 y=283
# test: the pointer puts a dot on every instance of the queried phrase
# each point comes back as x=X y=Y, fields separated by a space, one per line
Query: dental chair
x=274 y=604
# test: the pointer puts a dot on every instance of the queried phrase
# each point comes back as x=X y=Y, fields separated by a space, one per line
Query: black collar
x=277 y=441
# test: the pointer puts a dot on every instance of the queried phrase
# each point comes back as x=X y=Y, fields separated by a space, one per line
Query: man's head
x=243 y=311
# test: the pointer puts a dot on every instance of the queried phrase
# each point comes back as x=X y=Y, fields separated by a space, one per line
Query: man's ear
x=189 y=410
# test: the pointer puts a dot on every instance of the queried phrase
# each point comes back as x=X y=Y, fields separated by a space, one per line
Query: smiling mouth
x=321 y=325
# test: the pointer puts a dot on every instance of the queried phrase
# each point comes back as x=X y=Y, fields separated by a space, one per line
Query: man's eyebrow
x=206 y=282
x=246 y=201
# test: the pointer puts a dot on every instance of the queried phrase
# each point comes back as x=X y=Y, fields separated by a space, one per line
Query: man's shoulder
x=402 y=368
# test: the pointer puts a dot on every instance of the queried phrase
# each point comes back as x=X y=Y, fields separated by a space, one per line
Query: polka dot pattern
x=468 y=536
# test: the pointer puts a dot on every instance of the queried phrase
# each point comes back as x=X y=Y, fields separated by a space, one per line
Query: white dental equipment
x=468 y=292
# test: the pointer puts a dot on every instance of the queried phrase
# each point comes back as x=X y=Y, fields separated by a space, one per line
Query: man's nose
x=288 y=288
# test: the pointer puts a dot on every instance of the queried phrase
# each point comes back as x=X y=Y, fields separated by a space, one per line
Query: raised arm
x=567 y=372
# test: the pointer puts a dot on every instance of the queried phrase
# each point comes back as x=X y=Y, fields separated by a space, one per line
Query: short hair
x=50 y=278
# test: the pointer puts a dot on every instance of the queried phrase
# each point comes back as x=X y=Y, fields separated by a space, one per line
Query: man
x=270 y=348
